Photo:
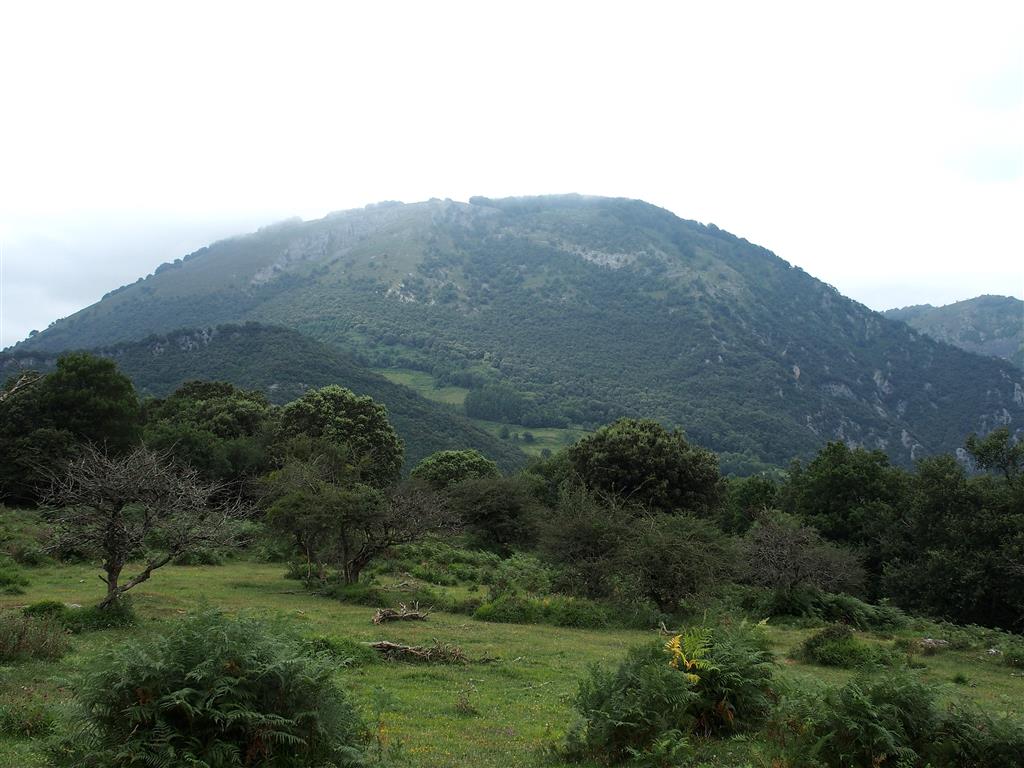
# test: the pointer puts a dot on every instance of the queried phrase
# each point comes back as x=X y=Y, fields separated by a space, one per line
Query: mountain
x=987 y=325
x=283 y=364
x=577 y=310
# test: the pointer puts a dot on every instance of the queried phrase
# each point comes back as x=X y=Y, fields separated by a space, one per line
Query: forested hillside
x=284 y=364
x=573 y=310
x=987 y=325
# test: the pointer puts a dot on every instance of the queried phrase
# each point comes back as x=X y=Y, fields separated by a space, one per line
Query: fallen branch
x=402 y=614
x=438 y=653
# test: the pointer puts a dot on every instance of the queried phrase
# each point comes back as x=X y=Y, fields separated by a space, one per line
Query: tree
x=444 y=469
x=643 y=463
x=335 y=414
x=960 y=550
x=134 y=505
x=785 y=555
x=335 y=520
x=220 y=430
x=498 y=513
x=998 y=452
x=853 y=497
x=86 y=399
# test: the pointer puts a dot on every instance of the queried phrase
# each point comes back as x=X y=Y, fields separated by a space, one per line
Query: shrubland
x=847 y=564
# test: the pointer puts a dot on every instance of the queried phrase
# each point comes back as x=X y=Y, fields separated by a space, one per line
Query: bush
x=342 y=651
x=213 y=691
x=1013 y=652
x=202 y=556
x=377 y=596
x=836 y=646
x=77 y=620
x=30 y=637
x=12 y=580
x=846 y=609
x=557 y=610
x=704 y=682
x=25 y=718
x=896 y=719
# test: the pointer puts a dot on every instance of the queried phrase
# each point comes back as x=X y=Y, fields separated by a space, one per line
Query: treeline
x=634 y=517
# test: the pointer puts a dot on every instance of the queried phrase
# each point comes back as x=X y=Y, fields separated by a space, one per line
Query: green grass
x=424 y=384
x=519 y=702
x=552 y=438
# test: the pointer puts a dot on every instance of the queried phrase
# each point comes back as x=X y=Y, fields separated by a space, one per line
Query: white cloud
x=875 y=145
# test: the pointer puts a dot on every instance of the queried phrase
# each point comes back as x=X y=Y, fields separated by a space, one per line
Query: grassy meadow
x=501 y=710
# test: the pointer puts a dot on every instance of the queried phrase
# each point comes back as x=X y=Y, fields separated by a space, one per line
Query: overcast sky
x=878 y=146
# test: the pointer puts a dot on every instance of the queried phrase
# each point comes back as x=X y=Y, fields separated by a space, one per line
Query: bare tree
x=783 y=554
x=138 y=505
x=23 y=382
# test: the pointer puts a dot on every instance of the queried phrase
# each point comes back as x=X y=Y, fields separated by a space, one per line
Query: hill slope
x=283 y=364
x=585 y=309
x=987 y=325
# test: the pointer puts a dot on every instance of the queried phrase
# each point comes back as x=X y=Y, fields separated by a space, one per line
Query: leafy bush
x=439 y=562
x=377 y=596
x=891 y=720
x=213 y=691
x=705 y=681
x=342 y=651
x=30 y=637
x=77 y=620
x=1013 y=652
x=202 y=556
x=836 y=646
x=12 y=580
x=846 y=609
x=557 y=610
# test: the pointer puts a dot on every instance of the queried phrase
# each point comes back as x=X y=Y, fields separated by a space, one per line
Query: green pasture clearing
x=500 y=712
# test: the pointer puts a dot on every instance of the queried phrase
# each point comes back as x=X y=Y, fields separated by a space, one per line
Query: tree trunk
x=114 y=591
x=113 y=570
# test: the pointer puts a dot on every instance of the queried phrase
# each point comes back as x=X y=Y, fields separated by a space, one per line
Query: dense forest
x=283 y=364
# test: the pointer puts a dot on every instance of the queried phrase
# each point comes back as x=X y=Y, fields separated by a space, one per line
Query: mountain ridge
x=986 y=325
x=578 y=310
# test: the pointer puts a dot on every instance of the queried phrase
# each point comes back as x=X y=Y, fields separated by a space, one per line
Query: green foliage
x=836 y=646
x=12 y=580
x=642 y=463
x=439 y=562
x=961 y=540
x=999 y=452
x=216 y=692
x=342 y=651
x=336 y=415
x=76 y=620
x=499 y=513
x=668 y=691
x=591 y=308
x=891 y=719
x=30 y=637
x=606 y=550
x=220 y=430
x=26 y=717
x=445 y=469
x=84 y=399
x=557 y=610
